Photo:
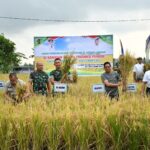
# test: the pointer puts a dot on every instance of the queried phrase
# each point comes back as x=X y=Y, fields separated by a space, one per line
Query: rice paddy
x=77 y=120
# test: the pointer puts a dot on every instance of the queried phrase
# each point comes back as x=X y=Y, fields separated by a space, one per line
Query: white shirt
x=146 y=78
x=139 y=70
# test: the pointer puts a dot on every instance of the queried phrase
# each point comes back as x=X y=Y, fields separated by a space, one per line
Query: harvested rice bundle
x=74 y=76
x=20 y=92
x=146 y=67
x=68 y=62
x=126 y=64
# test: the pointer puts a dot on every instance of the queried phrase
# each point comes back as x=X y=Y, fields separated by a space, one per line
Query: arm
x=52 y=81
x=48 y=86
x=145 y=80
x=134 y=73
x=7 y=97
x=111 y=84
x=51 y=78
x=107 y=83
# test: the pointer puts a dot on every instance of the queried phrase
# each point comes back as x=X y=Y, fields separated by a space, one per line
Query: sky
x=132 y=34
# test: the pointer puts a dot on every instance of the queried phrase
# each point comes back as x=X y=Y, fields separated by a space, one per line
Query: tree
x=8 y=57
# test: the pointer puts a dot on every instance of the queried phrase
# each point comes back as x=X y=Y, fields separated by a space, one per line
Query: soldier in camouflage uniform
x=56 y=75
x=39 y=81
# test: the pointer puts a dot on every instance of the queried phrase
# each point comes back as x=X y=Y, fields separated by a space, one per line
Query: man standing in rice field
x=39 y=81
x=111 y=81
x=11 y=88
x=56 y=75
x=146 y=83
x=138 y=70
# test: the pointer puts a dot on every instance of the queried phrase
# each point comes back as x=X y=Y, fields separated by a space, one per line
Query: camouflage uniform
x=39 y=80
x=56 y=75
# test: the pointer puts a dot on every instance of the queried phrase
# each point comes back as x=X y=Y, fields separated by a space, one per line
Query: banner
x=91 y=52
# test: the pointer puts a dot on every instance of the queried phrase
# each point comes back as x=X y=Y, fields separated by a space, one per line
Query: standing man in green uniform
x=39 y=81
x=56 y=75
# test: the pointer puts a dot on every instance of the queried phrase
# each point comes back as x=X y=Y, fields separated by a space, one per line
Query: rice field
x=78 y=120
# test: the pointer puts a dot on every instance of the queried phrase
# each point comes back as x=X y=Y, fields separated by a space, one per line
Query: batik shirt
x=40 y=81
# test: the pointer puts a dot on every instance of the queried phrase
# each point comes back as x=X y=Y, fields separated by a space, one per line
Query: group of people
x=112 y=79
x=40 y=82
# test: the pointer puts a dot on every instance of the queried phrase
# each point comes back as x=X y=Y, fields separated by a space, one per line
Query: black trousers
x=148 y=91
x=115 y=97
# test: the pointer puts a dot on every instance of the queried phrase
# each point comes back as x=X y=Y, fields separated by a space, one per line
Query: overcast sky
x=132 y=34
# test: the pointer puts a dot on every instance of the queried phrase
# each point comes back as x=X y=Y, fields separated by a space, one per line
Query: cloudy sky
x=132 y=34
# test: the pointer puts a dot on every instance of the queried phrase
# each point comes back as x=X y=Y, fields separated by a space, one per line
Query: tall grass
x=79 y=120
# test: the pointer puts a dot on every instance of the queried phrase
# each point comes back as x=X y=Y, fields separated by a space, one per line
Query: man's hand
x=7 y=98
x=27 y=95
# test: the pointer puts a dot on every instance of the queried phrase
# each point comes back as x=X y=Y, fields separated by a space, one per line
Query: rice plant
x=146 y=67
x=126 y=64
x=68 y=62
x=20 y=92
x=79 y=120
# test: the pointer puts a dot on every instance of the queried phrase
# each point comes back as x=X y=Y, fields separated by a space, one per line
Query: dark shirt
x=112 y=78
x=39 y=80
x=56 y=75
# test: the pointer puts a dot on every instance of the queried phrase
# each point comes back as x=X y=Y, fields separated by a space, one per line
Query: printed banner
x=91 y=52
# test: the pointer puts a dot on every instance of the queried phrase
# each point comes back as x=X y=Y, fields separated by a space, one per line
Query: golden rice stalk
x=68 y=62
x=20 y=92
x=146 y=67
x=126 y=64
x=74 y=76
